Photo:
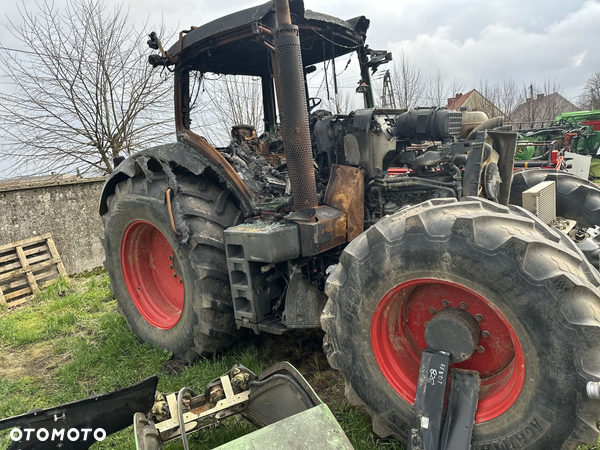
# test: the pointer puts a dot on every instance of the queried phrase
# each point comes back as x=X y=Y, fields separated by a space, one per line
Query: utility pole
x=531 y=103
x=387 y=98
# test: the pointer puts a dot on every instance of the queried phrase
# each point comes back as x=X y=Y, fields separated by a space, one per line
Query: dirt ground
x=303 y=349
x=31 y=361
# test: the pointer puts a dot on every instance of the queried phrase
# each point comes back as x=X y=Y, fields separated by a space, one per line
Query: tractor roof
x=230 y=46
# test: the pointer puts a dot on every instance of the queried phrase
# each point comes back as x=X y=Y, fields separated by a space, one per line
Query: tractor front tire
x=533 y=294
x=173 y=292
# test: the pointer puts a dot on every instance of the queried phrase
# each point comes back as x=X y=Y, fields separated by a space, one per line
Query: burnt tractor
x=383 y=227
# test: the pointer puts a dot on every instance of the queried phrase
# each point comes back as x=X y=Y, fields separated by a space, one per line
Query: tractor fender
x=166 y=158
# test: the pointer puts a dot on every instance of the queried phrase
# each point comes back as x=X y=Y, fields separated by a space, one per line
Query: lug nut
x=478 y=317
x=180 y=280
x=432 y=311
x=485 y=334
x=174 y=275
x=480 y=349
x=463 y=305
x=445 y=303
x=171 y=266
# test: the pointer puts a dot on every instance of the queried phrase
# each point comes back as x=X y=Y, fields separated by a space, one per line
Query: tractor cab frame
x=242 y=44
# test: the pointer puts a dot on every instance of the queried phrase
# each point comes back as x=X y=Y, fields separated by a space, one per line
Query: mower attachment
x=279 y=401
x=110 y=412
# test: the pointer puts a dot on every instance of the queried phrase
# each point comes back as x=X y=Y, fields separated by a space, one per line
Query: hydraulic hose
x=180 y=416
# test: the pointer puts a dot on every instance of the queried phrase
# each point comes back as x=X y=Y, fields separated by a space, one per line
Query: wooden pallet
x=27 y=266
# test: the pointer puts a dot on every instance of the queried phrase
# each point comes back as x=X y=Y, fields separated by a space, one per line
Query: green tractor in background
x=577 y=132
x=588 y=142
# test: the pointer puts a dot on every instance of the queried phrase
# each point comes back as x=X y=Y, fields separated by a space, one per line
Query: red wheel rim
x=398 y=338
x=152 y=275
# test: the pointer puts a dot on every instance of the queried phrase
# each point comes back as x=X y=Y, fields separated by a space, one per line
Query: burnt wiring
x=354 y=47
x=325 y=70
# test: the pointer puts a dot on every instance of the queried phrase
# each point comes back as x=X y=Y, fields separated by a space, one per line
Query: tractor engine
x=407 y=156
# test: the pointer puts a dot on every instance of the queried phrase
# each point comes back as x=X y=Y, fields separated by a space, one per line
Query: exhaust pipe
x=293 y=110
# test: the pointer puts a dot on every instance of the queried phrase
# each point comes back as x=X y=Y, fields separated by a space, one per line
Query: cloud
x=500 y=49
x=578 y=59
x=493 y=40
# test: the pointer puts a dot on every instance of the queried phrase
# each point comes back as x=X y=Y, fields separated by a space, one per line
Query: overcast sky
x=495 y=39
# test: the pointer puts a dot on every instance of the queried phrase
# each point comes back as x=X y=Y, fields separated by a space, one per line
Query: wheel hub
x=455 y=331
x=398 y=337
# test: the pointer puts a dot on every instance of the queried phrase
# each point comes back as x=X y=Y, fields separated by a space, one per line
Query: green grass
x=69 y=342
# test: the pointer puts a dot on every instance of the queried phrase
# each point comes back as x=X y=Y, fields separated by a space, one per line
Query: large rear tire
x=576 y=199
x=537 y=296
x=173 y=292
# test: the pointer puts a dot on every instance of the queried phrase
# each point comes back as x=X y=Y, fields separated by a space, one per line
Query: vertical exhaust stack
x=293 y=110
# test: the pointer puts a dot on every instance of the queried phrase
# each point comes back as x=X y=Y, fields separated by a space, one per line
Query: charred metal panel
x=428 y=409
x=177 y=154
x=304 y=303
x=218 y=45
x=266 y=242
x=250 y=248
x=346 y=192
x=323 y=230
x=472 y=174
x=362 y=118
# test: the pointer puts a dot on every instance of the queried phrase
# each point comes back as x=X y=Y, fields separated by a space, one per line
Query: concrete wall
x=67 y=209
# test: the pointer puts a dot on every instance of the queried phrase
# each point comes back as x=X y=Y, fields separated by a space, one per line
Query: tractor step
x=251 y=250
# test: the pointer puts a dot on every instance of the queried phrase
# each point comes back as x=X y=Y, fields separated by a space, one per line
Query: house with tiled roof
x=474 y=101
x=544 y=108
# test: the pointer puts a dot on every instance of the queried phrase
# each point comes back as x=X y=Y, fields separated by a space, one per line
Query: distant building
x=474 y=101
x=544 y=108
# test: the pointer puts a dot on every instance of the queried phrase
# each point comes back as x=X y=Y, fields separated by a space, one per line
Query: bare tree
x=540 y=104
x=551 y=103
x=543 y=100
x=83 y=91
x=406 y=82
x=508 y=97
x=456 y=87
x=590 y=96
x=490 y=98
x=340 y=103
x=224 y=101
x=435 y=92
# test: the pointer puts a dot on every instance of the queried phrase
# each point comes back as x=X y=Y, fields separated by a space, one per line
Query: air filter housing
x=428 y=123
x=541 y=200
